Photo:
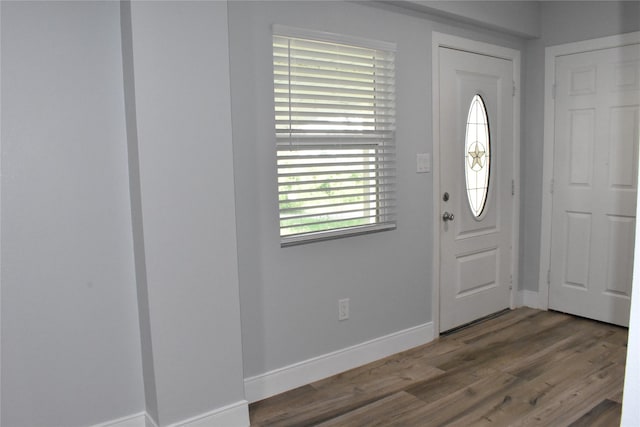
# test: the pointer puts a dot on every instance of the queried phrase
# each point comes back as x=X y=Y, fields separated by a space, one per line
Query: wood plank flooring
x=525 y=367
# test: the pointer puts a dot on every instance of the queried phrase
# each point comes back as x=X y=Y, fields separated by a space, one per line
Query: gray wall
x=521 y=18
x=562 y=22
x=289 y=295
x=186 y=199
x=70 y=340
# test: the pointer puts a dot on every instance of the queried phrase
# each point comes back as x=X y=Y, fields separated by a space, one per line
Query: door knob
x=447 y=216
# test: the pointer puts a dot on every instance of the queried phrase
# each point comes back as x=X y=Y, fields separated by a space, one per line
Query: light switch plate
x=423 y=162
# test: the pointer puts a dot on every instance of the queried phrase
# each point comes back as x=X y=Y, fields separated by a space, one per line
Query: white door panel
x=475 y=251
x=595 y=157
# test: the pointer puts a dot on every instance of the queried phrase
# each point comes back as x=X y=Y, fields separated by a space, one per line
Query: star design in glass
x=477 y=153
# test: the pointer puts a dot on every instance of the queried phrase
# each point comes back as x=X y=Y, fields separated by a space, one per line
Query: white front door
x=476 y=178
x=594 y=183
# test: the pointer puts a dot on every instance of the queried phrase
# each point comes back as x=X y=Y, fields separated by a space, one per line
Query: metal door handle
x=447 y=216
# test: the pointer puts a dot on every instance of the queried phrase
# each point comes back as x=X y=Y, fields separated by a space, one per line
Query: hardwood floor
x=525 y=367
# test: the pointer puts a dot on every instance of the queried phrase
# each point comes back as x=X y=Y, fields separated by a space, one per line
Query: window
x=477 y=156
x=335 y=134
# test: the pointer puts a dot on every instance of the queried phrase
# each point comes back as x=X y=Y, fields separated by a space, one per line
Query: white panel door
x=594 y=184
x=475 y=245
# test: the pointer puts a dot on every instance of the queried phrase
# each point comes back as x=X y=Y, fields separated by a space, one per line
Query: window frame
x=385 y=216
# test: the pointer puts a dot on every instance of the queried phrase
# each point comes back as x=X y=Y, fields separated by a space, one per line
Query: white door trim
x=551 y=53
x=446 y=40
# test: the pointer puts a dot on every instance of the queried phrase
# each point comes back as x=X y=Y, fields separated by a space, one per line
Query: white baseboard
x=234 y=415
x=289 y=377
x=149 y=422
x=137 y=420
x=529 y=299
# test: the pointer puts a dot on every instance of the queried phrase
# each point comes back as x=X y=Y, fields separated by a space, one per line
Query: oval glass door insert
x=477 y=149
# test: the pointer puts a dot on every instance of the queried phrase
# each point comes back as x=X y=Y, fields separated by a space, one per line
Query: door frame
x=551 y=54
x=454 y=42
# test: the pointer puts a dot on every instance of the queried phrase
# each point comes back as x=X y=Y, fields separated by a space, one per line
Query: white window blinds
x=335 y=136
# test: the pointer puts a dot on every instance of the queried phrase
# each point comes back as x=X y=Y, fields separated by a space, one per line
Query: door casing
x=551 y=53
x=453 y=42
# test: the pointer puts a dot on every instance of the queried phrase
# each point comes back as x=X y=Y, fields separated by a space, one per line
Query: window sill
x=321 y=236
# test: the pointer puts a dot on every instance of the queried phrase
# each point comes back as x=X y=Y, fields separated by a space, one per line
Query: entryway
x=475 y=98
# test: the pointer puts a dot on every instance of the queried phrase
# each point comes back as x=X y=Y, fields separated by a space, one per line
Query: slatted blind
x=335 y=137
